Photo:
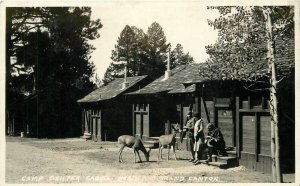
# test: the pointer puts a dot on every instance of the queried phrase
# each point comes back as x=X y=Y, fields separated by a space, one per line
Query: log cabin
x=106 y=113
x=243 y=115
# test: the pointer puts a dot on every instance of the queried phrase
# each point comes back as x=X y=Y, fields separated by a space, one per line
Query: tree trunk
x=275 y=146
x=8 y=48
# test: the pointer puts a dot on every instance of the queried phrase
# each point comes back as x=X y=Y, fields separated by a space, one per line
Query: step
x=217 y=164
x=228 y=160
x=232 y=153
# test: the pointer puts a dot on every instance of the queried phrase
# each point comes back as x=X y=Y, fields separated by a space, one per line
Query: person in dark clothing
x=199 y=138
x=188 y=130
x=214 y=142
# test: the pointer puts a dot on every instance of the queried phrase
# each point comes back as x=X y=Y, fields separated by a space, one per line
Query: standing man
x=199 y=137
x=188 y=130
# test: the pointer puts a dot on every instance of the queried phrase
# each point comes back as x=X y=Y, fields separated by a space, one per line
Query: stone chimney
x=168 y=72
x=125 y=83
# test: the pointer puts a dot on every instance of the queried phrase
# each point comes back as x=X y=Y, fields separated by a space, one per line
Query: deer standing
x=135 y=143
x=168 y=140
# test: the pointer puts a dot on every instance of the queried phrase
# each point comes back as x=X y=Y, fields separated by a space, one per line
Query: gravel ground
x=78 y=161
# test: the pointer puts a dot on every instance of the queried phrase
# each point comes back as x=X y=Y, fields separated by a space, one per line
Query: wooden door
x=185 y=111
x=145 y=124
x=248 y=134
x=226 y=124
x=87 y=121
x=99 y=129
x=265 y=135
x=141 y=123
x=138 y=124
x=94 y=128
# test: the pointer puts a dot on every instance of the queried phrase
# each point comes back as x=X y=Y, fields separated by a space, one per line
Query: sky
x=182 y=23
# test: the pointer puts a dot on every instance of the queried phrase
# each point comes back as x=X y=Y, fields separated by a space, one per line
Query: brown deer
x=135 y=143
x=168 y=140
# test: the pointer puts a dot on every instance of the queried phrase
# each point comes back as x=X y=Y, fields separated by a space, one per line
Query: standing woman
x=199 y=137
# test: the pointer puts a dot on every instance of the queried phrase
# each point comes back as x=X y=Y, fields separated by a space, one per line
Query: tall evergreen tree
x=157 y=48
x=144 y=53
x=53 y=52
x=126 y=52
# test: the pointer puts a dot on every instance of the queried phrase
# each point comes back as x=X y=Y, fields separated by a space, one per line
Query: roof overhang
x=147 y=93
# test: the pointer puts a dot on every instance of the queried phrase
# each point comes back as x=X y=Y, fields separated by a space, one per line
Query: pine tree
x=53 y=55
x=178 y=57
x=144 y=53
x=157 y=48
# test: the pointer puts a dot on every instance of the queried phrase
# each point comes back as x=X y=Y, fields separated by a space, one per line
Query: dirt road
x=79 y=161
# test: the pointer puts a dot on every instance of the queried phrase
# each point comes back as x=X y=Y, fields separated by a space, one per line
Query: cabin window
x=256 y=102
x=245 y=103
x=222 y=102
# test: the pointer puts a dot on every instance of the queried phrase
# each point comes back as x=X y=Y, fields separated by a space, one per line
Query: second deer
x=168 y=140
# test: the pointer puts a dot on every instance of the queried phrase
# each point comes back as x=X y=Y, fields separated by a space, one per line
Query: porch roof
x=111 y=90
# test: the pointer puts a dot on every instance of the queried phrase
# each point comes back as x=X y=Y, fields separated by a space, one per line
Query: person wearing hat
x=214 y=142
x=188 y=130
x=199 y=137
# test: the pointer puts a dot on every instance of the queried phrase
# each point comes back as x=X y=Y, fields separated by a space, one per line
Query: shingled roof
x=173 y=84
x=201 y=72
x=111 y=90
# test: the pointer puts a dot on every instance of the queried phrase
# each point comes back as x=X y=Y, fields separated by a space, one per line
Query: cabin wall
x=151 y=114
x=243 y=117
x=107 y=120
x=117 y=118
x=254 y=136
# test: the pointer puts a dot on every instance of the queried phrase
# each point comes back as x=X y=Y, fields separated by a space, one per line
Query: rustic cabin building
x=106 y=113
x=154 y=107
x=243 y=115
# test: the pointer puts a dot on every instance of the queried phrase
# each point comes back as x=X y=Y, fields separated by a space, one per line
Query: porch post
x=237 y=110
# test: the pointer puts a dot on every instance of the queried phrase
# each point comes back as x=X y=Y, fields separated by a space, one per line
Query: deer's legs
x=139 y=155
x=158 y=152
x=134 y=155
x=168 y=152
x=120 y=153
x=160 y=148
x=174 y=151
